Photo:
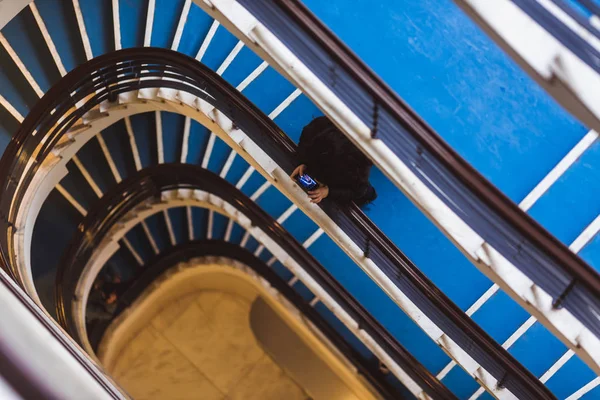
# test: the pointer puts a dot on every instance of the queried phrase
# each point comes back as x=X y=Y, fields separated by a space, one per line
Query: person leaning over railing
x=96 y=304
x=340 y=169
x=103 y=297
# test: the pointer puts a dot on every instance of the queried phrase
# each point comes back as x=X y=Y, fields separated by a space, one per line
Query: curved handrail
x=498 y=220
x=17 y=373
x=150 y=183
x=133 y=69
x=562 y=32
x=163 y=262
x=570 y=9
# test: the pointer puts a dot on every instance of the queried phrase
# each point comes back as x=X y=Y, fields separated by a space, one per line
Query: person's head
x=323 y=144
x=353 y=157
x=98 y=284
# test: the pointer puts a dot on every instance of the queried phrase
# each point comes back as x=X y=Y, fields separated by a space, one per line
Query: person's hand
x=299 y=171
x=112 y=298
x=317 y=195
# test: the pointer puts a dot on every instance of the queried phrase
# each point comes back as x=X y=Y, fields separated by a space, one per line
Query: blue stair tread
x=460 y=383
x=132 y=18
x=237 y=170
x=194 y=32
x=117 y=142
x=60 y=20
x=282 y=271
x=218 y=156
x=158 y=228
x=300 y=226
x=593 y=394
x=197 y=142
x=144 y=130
x=219 y=48
x=15 y=89
x=78 y=187
x=537 y=349
x=28 y=42
x=268 y=90
x=219 y=226
x=237 y=232
x=574 y=375
x=571 y=204
x=252 y=244
x=166 y=18
x=590 y=253
x=273 y=202
x=101 y=36
x=255 y=181
x=54 y=228
x=243 y=65
x=94 y=161
x=139 y=241
x=500 y=316
x=178 y=217
x=265 y=256
x=172 y=127
x=200 y=218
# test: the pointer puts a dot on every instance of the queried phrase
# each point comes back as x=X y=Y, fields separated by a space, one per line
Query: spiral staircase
x=133 y=129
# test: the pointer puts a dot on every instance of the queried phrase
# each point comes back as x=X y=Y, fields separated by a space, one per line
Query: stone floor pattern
x=202 y=347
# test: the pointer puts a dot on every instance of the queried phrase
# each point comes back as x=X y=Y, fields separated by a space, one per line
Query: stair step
x=60 y=20
x=32 y=49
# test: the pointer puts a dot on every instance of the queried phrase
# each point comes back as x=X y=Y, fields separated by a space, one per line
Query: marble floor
x=201 y=347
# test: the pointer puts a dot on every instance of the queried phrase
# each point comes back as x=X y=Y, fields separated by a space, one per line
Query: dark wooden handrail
x=18 y=375
x=149 y=183
x=161 y=263
x=119 y=72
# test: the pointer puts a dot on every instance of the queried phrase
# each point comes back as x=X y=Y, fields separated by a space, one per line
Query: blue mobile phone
x=307 y=182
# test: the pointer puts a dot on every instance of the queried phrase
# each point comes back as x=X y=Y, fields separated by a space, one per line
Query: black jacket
x=334 y=161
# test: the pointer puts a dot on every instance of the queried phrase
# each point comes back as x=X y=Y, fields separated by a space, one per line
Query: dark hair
x=332 y=140
x=353 y=156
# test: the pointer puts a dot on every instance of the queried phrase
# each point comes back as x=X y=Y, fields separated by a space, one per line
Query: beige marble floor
x=201 y=347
